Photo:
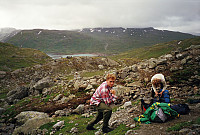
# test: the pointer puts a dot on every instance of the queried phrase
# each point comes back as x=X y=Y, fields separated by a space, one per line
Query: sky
x=174 y=15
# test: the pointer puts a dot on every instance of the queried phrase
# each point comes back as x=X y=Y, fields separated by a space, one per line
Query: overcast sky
x=175 y=15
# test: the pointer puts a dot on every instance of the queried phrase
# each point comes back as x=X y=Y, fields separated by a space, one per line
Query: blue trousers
x=165 y=98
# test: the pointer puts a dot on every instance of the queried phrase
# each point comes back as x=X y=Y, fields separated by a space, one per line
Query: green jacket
x=150 y=113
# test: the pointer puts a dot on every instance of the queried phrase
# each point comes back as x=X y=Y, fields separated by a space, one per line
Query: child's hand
x=113 y=92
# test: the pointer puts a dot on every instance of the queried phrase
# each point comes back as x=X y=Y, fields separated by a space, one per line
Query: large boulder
x=17 y=94
x=23 y=117
x=43 y=83
x=29 y=121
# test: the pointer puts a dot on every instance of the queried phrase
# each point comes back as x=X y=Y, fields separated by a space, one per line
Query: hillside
x=58 y=91
x=155 y=51
x=12 y=57
x=93 y=40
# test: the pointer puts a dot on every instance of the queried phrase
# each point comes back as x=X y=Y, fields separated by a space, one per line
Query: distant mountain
x=7 y=32
x=93 y=40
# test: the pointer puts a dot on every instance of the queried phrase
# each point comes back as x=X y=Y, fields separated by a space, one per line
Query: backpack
x=181 y=108
x=158 y=116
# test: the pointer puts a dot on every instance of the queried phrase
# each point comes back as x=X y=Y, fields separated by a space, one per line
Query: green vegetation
x=155 y=50
x=80 y=123
x=112 y=42
x=12 y=57
x=182 y=76
x=182 y=125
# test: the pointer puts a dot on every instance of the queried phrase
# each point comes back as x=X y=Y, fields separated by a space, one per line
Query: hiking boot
x=90 y=127
x=107 y=129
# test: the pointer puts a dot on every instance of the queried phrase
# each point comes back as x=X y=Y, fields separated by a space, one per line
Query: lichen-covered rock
x=29 y=121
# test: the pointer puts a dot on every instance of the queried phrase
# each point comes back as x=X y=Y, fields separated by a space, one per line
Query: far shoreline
x=57 y=55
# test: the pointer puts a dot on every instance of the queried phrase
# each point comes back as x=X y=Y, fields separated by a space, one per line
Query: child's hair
x=110 y=76
x=156 y=82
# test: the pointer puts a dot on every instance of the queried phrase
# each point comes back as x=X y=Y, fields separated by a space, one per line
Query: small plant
x=182 y=125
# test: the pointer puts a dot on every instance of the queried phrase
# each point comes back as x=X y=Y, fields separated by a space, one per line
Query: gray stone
x=161 y=61
x=43 y=83
x=2 y=74
x=184 y=131
x=100 y=66
x=74 y=130
x=127 y=104
x=134 y=68
x=130 y=132
x=30 y=121
x=25 y=116
x=79 y=109
x=59 y=125
x=18 y=93
x=58 y=97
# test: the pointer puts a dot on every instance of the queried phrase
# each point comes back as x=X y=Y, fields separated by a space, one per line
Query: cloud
x=180 y=15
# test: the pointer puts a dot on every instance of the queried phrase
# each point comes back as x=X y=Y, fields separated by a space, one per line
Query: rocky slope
x=63 y=87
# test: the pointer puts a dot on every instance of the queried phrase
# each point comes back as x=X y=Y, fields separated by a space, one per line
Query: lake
x=57 y=56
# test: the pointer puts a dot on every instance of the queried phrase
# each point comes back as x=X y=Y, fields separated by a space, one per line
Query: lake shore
x=57 y=56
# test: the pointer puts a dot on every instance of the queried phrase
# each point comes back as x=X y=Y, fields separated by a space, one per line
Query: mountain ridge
x=93 y=40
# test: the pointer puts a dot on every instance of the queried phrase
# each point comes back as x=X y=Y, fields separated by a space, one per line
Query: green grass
x=3 y=95
x=182 y=125
x=68 y=42
x=12 y=57
x=81 y=123
x=154 y=51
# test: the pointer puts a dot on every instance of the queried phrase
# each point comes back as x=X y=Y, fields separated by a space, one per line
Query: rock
x=2 y=110
x=93 y=81
x=98 y=133
x=43 y=83
x=115 y=124
x=63 y=100
x=30 y=121
x=168 y=57
x=18 y=93
x=161 y=61
x=58 y=97
x=130 y=132
x=79 y=109
x=134 y=68
x=184 y=131
x=89 y=87
x=71 y=96
x=59 y=125
x=2 y=74
x=127 y=104
x=25 y=116
x=132 y=125
x=142 y=65
x=74 y=130
x=152 y=63
x=61 y=113
x=100 y=67
x=121 y=90
x=86 y=115
x=134 y=84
